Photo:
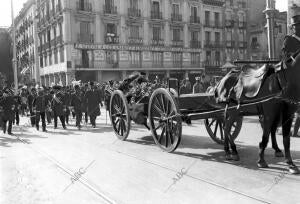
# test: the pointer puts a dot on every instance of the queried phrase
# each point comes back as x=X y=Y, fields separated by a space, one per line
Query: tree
x=6 y=56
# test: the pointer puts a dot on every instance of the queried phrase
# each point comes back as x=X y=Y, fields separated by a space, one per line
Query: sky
x=5 y=9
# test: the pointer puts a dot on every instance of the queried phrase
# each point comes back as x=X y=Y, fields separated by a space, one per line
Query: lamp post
x=14 y=61
x=270 y=11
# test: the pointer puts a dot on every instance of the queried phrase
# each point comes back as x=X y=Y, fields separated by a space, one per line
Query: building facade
x=26 y=45
x=107 y=39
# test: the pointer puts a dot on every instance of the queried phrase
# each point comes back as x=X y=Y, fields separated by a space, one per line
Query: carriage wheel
x=165 y=120
x=119 y=115
x=215 y=128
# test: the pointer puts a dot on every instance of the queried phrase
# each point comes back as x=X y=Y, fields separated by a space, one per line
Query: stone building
x=293 y=9
x=26 y=45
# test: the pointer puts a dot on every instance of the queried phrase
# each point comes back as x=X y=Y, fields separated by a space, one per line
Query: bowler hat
x=295 y=20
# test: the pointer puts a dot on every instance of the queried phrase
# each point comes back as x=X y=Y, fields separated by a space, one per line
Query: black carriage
x=165 y=111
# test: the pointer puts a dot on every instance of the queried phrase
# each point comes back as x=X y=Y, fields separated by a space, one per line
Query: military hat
x=295 y=20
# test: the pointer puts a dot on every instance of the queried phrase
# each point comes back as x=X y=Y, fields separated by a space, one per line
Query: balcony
x=109 y=9
x=195 y=44
x=134 y=12
x=177 y=43
x=135 y=41
x=242 y=24
x=111 y=39
x=230 y=44
x=176 y=17
x=213 y=24
x=212 y=44
x=242 y=44
x=156 y=15
x=86 y=6
x=157 y=42
x=214 y=2
x=229 y=23
x=195 y=19
x=85 y=38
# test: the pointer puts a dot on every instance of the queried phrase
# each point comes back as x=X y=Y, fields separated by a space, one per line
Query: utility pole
x=14 y=61
x=270 y=12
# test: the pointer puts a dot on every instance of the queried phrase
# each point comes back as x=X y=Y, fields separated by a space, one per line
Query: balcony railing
x=176 y=17
x=86 y=6
x=242 y=24
x=157 y=42
x=111 y=39
x=156 y=15
x=135 y=40
x=230 y=43
x=177 y=43
x=213 y=44
x=229 y=23
x=242 y=44
x=109 y=9
x=214 y=2
x=85 y=38
x=213 y=24
x=134 y=12
x=210 y=63
x=194 y=19
x=195 y=44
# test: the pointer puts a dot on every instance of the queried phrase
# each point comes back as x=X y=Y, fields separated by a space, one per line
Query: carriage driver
x=291 y=44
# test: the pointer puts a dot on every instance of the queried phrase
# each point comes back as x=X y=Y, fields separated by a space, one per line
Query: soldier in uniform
x=58 y=106
x=76 y=102
x=198 y=87
x=291 y=44
x=93 y=99
x=8 y=105
x=40 y=105
x=30 y=99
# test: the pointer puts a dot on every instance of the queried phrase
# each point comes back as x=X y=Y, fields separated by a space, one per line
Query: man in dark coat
x=291 y=44
x=18 y=102
x=93 y=99
x=8 y=106
x=77 y=99
x=40 y=105
x=58 y=106
x=30 y=99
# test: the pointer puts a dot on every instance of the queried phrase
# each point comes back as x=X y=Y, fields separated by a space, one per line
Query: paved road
x=92 y=166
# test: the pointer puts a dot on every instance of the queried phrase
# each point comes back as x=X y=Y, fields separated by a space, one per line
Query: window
x=85 y=58
x=41 y=61
x=217 y=57
x=195 y=59
x=111 y=57
x=217 y=38
x=155 y=7
x=176 y=34
x=55 y=56
x=157 y=59
x=217 y=19
x=175 y=9
x=60 y=29
x=48 y=36
x=62 y=54
x=45 y=60
x=177 y=59
x=194 y=35
x=207 y=36
x=134 y=4
x=135 y=58
x=208 y=56
x=50 y=58
x=134 y=31
x=111 y=29
x=194 y=11
x=85 y=32
x=207 y=14
x=156 y=33
x=279 y=28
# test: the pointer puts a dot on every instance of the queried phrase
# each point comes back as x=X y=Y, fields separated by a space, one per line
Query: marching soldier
x=58 y=106
x=31 y=97
x=76 y=102
x=40 y=105
x=93 y=99
x=8 y=105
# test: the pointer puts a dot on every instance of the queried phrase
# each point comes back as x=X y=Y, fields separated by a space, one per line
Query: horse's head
x=292 y=75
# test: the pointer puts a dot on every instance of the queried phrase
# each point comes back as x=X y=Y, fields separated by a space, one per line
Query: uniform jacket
x=77 y=100
x=92 y=100
x=40 y=103
x=8 y=105
x=58 y=104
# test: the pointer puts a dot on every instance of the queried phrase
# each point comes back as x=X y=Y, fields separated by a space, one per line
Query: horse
x=276 y=92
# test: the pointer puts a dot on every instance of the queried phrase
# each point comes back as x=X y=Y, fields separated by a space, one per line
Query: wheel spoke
x=221 y=131
x=119 y=126
x=171 y=137
x=159 y=126
x=162 y=134
x=156 y=118
x=158 y=102
x=213 y=120
x=158 y=110
x=167 y=136
x=216 y=128
x=122 y=127
x=163 y=103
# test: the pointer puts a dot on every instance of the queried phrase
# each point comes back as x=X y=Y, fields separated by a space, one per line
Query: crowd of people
x=47 y=104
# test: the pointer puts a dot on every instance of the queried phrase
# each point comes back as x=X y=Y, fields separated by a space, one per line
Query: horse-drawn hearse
x=272 y=91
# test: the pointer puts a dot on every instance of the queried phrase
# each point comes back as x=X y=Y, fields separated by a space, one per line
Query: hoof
x=294 y=170
x=262 y=164
x=228 y=156
x=279 y=154
x=235 y=157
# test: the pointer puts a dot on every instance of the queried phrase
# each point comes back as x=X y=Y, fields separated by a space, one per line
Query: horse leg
x=287 y=116
x=228 y=124
x=278 y=152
